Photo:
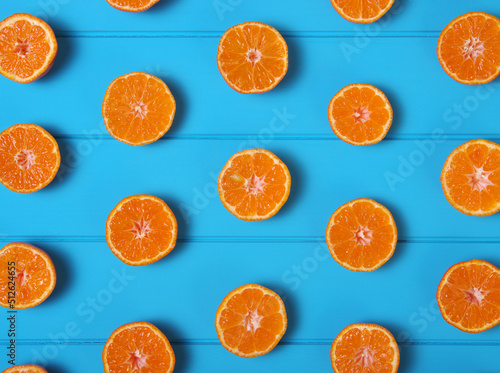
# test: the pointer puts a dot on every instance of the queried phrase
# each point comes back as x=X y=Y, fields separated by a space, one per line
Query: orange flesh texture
x=476 y=32
x=121 y=352
x=138 y=108
x=143 y=216
x=33 y=277
x=466 y=162
x=381 y=352
x=24 y=48
x=28 y=158
x=132 y=4
x=251 y=171
x=343 y=240
x=345 y=108
x=362 y=9
x=457 y=295
x=25 y=369
x=238 y=331
x=235 y=65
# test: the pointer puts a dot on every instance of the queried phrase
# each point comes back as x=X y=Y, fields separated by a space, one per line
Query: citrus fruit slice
x=362 y=11
x=471 y=178
x=252 y=57
x=365 y=348
x=138 y=108
x=360 y=114
x=250 y=321
x=361 y=235
x=25 y=369
x=28 y=48
x=29 y=158
x=132 y=5
x=138 y=347
x=254 y=184
x=469 y=296
x=468 y=48
x=141 y=230
x=27 y=276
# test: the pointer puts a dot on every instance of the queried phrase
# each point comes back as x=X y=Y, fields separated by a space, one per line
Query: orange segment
x=365 y=348
x=469 y=48
x=471 y=178
x=25 y=369
x=361 y=235
x=132 y=5
x=138 y=108
x=141 y=230
x=29 y=158
x=28 y=272
x=252 y=57
x=469 y=296
x=360 y=114
x=362 y=11
x=254 y=184
x=28 y=48
x=250 y=321
x=138 y=347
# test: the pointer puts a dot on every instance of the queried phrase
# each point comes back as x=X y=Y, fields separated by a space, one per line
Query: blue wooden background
x=177 y=41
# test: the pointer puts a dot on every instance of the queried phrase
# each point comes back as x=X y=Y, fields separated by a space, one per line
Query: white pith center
x=361 y=114
x=255 y=184
x=22 y=277
x=141 y=229
x=22 y=48
x=473 y=48
x=479 y=179
x=364 y=357
x=474 y=295
x=140 y=109
x=251 y=321
x=25 y=159
x=254 y=55
x=363 y=235
x=137 y=360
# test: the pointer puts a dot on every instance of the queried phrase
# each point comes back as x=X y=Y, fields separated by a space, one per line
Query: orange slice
x=138 y=108
x=132 y=5
x=25 y=369
x=471 y=178
x=28 y=48
x=469 y=296
x=27 y=276
x=141 y=230
x=362 y=11
x=250 y=321
x=363 y=348
x=361 y=235
x=469 y=48
x=138 y=347
x=360 y=114
x=29 y=158
x=254 y=184
x=252 y=57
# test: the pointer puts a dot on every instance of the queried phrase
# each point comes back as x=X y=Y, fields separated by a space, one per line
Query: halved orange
x=28 y=48
x=25 y=369
x=361 y=235
x=252 y=57
x=138 y=108
x=362 y=11
x=468 y=48
x=132 y=5
x=141 y=230
x=29 y=158
x=250 y=321
x=363 y=348
x=471 y=178
x=360 y=114
x=469 y=296
x=138 y=347
x=254 y=184
x=27 y=276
